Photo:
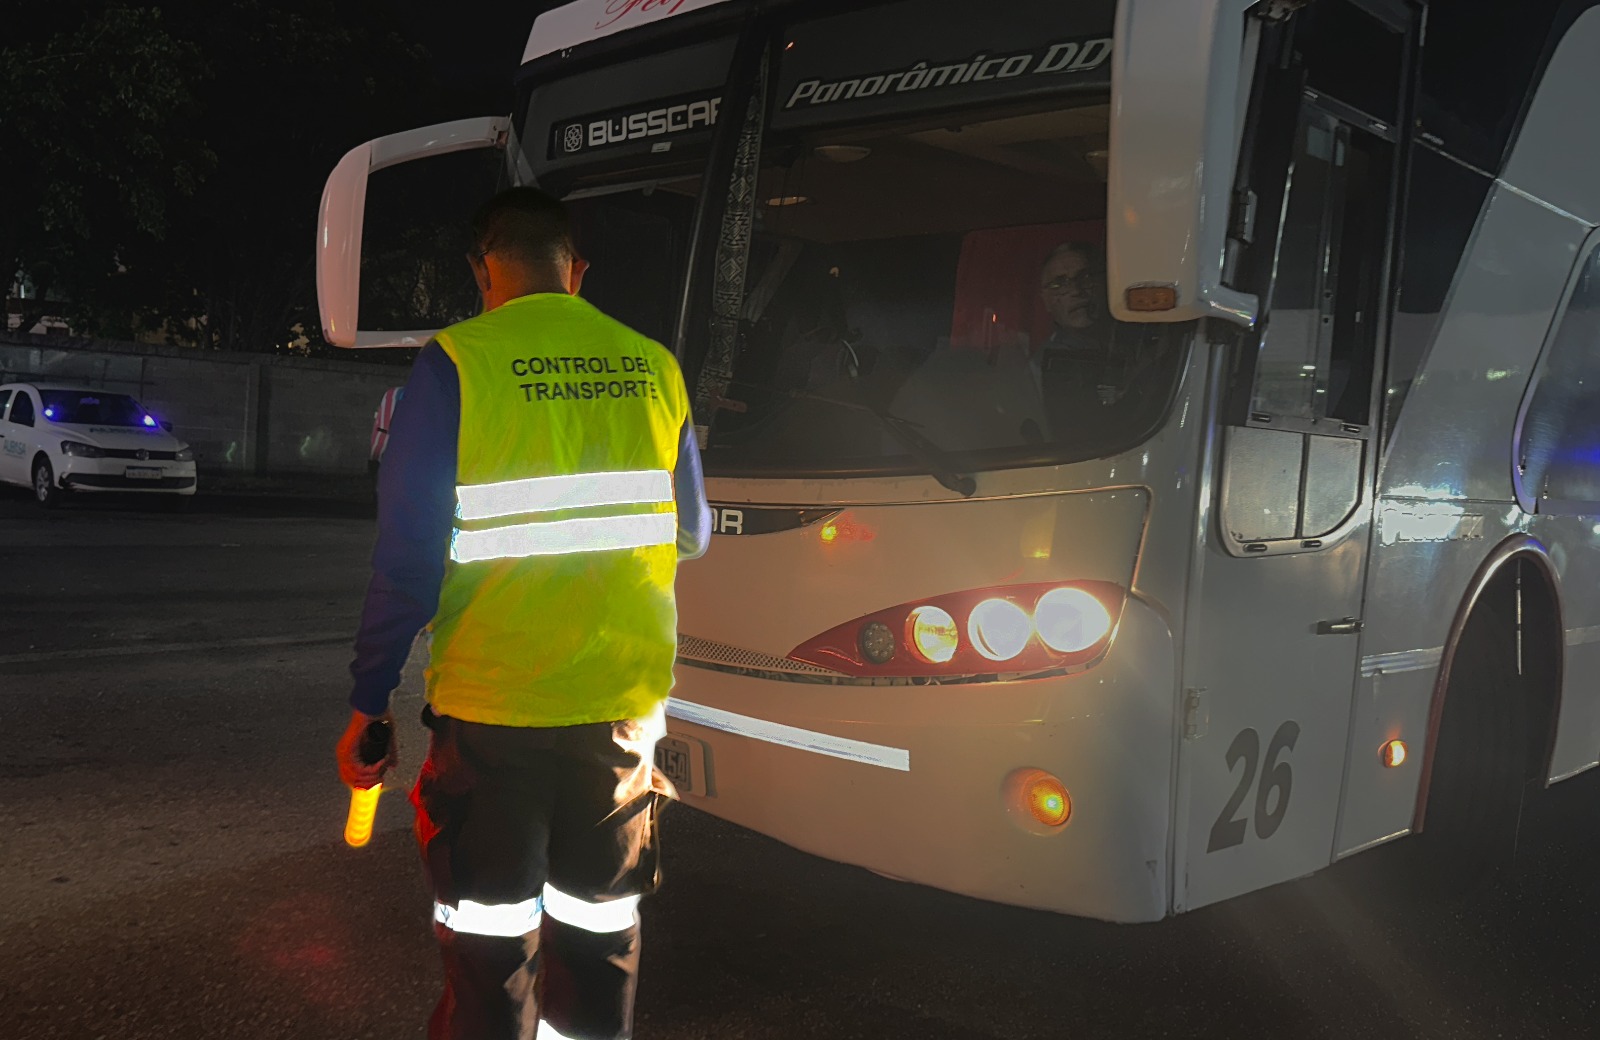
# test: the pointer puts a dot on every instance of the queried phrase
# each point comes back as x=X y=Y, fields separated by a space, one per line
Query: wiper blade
x=933 y=458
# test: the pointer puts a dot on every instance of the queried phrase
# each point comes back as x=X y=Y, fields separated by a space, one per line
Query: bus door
x=1271 y=638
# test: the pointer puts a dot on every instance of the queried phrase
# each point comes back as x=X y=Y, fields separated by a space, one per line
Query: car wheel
x=45 y=491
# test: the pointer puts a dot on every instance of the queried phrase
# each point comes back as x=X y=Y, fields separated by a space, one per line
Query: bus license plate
x=675 y=758
x=143 y=473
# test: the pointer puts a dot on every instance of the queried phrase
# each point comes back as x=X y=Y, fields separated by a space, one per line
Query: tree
x=164 y=162
x=293 y=85
x=95 y=108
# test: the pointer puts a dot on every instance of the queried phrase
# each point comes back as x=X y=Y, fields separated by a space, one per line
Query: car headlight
x=185 y=454
x=81 y=450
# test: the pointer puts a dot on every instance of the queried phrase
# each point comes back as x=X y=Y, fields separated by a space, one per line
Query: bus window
x=1559 y=440
x=948 y=273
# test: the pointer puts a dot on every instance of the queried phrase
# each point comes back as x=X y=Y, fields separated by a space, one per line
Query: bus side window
x=1558 y=446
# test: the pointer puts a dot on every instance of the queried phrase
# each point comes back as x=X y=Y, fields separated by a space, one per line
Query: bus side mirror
x=339 y=220
x=1173 y=157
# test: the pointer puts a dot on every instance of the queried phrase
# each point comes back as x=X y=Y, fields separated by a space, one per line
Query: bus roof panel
x=585 y=21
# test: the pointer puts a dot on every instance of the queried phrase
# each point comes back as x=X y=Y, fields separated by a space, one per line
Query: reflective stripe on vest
x=577 y=491
x=559 y=537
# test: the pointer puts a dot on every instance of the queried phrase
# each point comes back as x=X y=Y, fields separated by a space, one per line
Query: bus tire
x=1469 y=835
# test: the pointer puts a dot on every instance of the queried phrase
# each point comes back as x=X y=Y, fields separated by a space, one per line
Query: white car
x=58 y=439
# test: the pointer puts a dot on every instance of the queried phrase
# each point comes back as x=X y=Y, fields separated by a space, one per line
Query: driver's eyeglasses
x=1082 y=282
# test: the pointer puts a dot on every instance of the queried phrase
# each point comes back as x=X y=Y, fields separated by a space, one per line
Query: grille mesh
x=704 y=650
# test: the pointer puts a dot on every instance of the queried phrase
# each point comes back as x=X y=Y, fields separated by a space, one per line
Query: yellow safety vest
x=557 y=606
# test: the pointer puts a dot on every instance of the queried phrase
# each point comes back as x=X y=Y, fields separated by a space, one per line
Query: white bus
x=1155 y=446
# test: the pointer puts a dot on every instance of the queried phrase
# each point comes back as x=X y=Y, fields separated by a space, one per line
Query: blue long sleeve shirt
x=416 y=511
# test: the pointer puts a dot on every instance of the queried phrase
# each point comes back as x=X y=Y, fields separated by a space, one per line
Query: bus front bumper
x=912 y=781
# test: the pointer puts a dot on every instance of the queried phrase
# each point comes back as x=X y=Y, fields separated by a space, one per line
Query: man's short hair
x=526 y=227
x=1093 y=257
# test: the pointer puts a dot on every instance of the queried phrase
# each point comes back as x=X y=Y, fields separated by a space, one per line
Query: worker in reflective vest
x=540 y=484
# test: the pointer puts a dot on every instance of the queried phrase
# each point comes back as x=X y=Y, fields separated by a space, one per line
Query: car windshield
x=945 y=276
x=92 y=408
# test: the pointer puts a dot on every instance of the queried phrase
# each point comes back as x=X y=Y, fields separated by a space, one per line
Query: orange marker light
x=1150 y=298
x=1038 y=800
x=1393 y=753
x=1049 y=801
x=363 y=810
x=845 y=528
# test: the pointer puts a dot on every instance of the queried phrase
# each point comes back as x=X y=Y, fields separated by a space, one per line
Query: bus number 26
x=1229 y=830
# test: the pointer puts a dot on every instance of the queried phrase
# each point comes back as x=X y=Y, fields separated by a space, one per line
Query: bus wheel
x=1469 y=834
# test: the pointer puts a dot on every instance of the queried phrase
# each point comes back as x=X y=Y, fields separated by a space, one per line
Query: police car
x=57 y=439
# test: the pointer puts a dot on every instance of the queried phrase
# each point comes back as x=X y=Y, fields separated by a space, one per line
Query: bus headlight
x=999 y=629
x=933 y=633
x=1070 y=620
x=877 y=642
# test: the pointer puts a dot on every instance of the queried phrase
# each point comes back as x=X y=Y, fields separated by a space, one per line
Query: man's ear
x=480 y=274
x=575 y=274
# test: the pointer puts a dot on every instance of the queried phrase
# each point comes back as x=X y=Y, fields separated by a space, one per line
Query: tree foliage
x=164 y=160
x=94 y=102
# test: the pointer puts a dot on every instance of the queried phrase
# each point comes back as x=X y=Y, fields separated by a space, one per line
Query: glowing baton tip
x=363 y=810
x=374 y=747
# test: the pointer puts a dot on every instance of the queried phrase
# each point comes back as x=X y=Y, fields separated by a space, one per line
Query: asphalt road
x=171 y=686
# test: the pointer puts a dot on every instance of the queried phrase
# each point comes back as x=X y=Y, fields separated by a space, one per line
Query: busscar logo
x=666 y=120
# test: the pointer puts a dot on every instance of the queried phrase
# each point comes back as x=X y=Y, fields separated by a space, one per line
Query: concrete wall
x=242 y=413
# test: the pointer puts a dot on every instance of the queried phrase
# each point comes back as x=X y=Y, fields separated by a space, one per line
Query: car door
x=16 y=435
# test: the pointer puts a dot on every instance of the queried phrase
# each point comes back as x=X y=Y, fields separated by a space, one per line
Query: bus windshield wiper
x=933 y=458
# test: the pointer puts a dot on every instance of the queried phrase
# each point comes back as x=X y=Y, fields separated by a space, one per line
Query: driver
x=1095 y=373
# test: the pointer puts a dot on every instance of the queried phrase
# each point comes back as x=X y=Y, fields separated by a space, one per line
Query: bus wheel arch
x=1515 y=600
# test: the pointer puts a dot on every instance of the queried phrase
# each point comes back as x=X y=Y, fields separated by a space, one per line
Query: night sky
x=476 y=54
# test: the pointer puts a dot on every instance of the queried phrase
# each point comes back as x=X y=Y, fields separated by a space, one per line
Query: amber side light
x=1147 y=298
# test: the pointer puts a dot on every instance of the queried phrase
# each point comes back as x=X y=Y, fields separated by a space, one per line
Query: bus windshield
x=917 y=278
x=947 y=275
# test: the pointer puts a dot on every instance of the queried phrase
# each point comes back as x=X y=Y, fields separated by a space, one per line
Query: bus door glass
x=1272 y=643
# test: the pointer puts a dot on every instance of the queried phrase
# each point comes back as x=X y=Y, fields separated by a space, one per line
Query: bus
x=1155 y=447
